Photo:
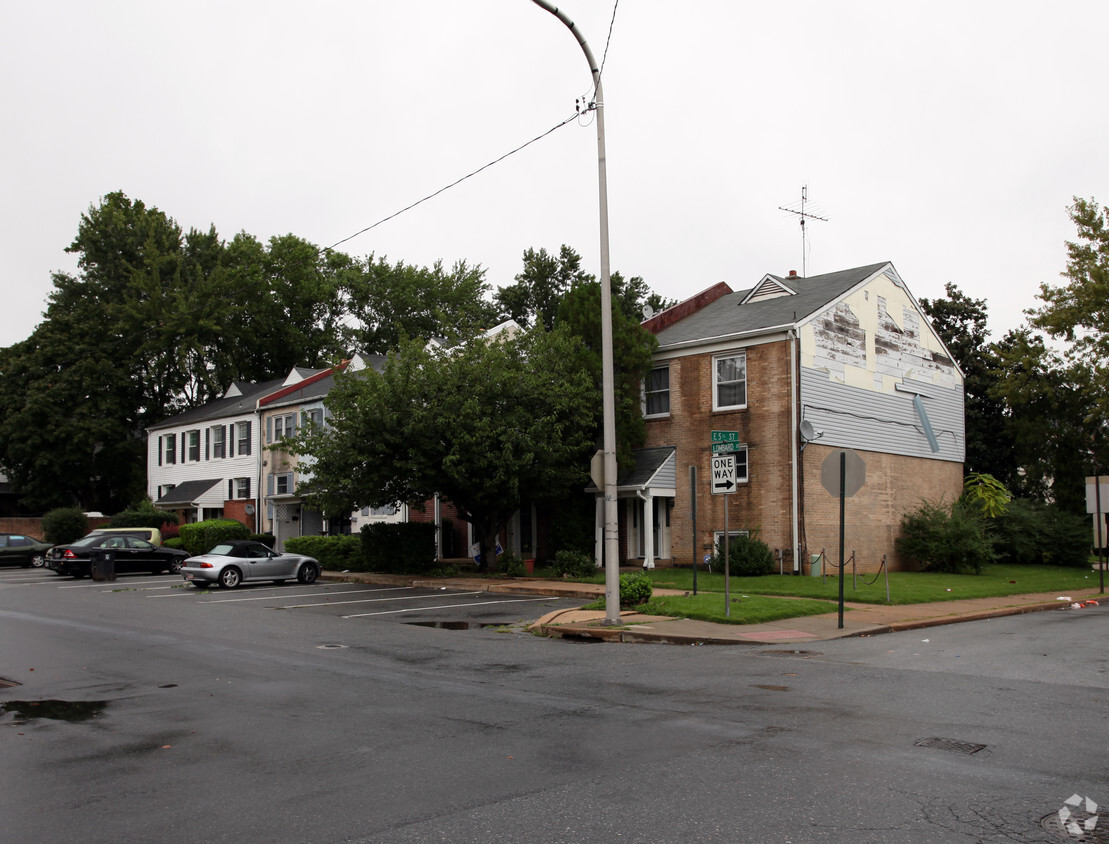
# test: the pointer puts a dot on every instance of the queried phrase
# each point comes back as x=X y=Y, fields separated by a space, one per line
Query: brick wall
x=236 y=509
x=762 y=503
x=894 y=485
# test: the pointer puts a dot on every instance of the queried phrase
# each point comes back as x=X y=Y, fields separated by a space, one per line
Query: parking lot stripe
x=368 y=601
x=447 y=606
x=305 y=595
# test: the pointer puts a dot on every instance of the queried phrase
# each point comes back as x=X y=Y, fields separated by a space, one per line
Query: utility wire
x=456 y=182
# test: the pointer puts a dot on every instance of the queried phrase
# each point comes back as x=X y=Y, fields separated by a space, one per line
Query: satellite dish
x=648 y=312
x=808 y=432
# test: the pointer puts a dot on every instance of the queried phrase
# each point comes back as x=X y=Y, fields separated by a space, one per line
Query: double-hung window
x=242 y=431
x=192 y=444
x=170 y=443
x=283 y=484
x=219 y=446
x=242 y=487
x=729 y=381
x=656 y=392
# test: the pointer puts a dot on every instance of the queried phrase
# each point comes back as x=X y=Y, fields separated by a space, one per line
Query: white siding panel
x=851 y=417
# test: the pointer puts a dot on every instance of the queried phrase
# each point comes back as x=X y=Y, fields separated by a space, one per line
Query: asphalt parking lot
x=346 y=602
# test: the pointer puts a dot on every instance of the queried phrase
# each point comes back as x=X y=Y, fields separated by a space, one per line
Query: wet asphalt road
x=325 y=713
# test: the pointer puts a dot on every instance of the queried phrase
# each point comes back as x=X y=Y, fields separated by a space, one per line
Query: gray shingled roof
x=648 y=461
x=222 y=408
x=319 y=389
x=186 y=493
x=727 y=316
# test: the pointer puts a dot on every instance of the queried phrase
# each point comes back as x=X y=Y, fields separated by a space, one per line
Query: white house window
x=170 y=442
x=729 y=381
x=741 y=465
x=242 y=487
x=242 y=430
x=656 y=392
x=165 y=490
x=387 y=510
x=314 y=416
x=283 y=484
x=192 y=439
x=219 y=446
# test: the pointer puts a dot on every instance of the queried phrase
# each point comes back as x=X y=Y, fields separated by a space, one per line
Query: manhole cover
x=1073 y=828
x=953 y=745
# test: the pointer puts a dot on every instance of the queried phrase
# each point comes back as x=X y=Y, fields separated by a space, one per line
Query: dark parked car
x=19 y=550
x=131 y=554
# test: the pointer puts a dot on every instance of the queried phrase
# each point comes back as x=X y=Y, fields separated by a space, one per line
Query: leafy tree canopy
x=488 y=425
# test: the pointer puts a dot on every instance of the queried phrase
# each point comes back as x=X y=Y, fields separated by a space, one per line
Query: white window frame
x=287 y=477
x=242 y=488
x=169 y=446
x=648 y=393
x=192 y=446
x=242 y=438
x=219 y=441
x=717 y=360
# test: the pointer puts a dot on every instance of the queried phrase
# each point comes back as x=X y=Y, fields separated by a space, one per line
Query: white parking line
x=305 y=595
x=446 y=606
x=367 y=601
x=97 y=584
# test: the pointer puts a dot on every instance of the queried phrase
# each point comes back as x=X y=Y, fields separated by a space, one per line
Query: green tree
x=1078 y=311
x=534 y=298
x=392 y=302
x=488 y=425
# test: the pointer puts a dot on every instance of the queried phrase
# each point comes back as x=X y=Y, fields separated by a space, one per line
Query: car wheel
x=230 y=577
x=308 y=573
x=175 y=566
x=38 y=560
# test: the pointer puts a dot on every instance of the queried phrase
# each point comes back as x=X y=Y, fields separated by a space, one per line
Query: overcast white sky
x=946 y=137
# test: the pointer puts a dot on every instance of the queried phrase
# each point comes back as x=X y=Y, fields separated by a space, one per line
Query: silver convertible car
x=239 y=561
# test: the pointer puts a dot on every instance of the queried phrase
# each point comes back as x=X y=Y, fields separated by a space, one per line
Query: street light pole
x=608 y=381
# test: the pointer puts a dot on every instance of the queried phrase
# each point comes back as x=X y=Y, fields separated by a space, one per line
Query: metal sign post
x=723 y=483
x=693 y=518
x=842 y=473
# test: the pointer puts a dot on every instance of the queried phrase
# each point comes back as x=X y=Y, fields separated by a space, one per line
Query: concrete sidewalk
x=859 y=619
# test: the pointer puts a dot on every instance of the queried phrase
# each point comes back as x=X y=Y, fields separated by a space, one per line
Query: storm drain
x=1073 y=828
x=954 y=745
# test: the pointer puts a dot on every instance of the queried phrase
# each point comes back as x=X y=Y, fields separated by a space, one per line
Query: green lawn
x=746 y=609
x=905 y=587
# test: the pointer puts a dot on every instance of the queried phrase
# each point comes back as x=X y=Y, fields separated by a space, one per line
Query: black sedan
x=19 y=550
x=130 y=553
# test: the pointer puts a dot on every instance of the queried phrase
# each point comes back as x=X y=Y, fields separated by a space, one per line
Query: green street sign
x=725 y=436
x=726 y=448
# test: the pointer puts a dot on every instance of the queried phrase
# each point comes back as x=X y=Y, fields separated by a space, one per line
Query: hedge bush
x=64 y=524
x=635 y=589
x=202 y=537
x=407 y=548
x=145 y=515
x=942 y=538
x=574 y=564
x=335 y=553
x=748 y=556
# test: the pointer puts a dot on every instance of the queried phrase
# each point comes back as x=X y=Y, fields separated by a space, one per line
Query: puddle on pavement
x=55 y=710
x=455 y=625
x=784 y=652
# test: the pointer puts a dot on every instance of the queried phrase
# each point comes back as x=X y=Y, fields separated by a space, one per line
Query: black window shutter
x=230 y=489
x=159 y=451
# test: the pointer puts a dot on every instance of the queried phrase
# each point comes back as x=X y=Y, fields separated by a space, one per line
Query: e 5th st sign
x=725 y=442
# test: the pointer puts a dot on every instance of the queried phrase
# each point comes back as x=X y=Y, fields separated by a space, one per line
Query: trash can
x=815 y=565
x=103 y=565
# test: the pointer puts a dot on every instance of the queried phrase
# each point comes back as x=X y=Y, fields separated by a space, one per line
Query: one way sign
x=723 y=474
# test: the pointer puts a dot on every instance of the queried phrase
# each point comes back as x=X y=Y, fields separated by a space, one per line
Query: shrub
x=574 y=564
x=1068 y=539
x=335 y=553
x=145 y=514
x=65 y=524
x=509 y=565
x=407 y=548
x=635 y=589
x=201 y=537
x=946 y=539
x=175 y=542
x=1019 y=532
x=748 y=556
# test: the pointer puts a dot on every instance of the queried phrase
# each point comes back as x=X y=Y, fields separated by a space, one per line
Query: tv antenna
x=803 y=215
